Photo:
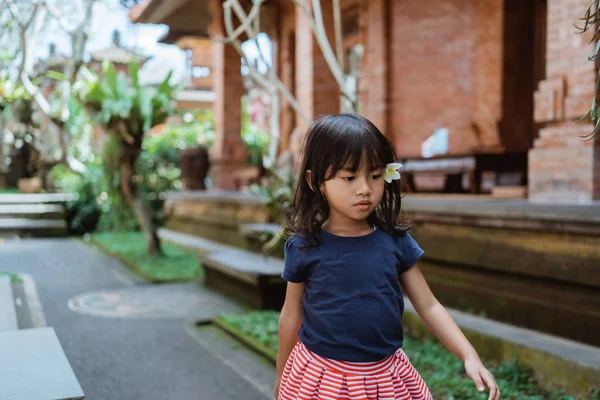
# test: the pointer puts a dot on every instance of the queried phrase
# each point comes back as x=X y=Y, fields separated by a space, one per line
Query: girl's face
x=354 y=195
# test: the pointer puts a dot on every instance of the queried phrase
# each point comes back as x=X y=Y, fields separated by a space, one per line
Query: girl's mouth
x=363 y=205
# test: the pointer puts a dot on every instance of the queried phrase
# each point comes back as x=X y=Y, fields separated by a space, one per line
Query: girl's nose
x=364 y=189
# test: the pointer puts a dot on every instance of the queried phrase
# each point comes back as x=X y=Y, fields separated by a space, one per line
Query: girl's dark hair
x=332 y=143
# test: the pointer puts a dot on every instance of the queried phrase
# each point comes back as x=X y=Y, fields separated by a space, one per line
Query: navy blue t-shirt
x=352 y=306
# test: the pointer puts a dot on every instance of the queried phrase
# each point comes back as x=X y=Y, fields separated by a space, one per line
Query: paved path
x=130 y=346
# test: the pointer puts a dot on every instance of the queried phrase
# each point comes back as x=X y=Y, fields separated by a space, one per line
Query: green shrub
x=100 y=206
x=255 y=139
x=174 y=264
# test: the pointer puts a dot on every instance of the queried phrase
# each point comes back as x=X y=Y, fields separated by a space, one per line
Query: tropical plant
x=590 y=22
x=127 y=110
x=255 y=138
x=278 y=195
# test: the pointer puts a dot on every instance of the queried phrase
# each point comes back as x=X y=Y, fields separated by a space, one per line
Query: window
x=200 y=72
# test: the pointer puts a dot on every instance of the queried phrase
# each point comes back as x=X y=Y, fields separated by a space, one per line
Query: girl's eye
x=375 y=177
x=348 y=178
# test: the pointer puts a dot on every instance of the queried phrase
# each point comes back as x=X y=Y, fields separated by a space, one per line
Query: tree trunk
x=143 y=215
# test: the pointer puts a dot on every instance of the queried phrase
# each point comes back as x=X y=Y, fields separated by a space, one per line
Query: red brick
x=228 y=151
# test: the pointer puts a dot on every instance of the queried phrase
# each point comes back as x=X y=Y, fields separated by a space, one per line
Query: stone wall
x=562 y=167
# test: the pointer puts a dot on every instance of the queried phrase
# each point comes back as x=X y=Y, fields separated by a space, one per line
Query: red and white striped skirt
x=308 y=376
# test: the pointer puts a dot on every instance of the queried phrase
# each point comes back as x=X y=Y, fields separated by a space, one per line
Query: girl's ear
x=308 y=177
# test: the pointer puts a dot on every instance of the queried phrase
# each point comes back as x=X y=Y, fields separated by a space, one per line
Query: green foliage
x=11 y=93
x=174 y=264
x=255 y=139
x=120 y=97
x=441 y=370
x=14 y=278
x=157 y=172
x=590 y=21
x=278 y=195
x=98 y=206
x=262 y=326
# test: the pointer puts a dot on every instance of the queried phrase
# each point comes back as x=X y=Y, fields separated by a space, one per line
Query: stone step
x=202 y=247
x=253 y=279
x=555 y=361
x=257 y=234
x=25 y=227
x=45 y=198
x=34 y=366
x=8 y=313
x=32 y=211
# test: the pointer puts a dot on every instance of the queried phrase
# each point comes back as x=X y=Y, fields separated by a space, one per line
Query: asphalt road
x=119 y=358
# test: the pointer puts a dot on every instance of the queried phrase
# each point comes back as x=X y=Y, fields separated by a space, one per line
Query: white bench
x=33 y=366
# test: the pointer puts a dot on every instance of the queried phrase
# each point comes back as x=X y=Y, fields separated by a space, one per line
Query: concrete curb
x=33 y=301
x=556 y=362
x=245 y=339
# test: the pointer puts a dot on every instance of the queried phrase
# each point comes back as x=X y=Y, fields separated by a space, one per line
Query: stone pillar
x=374 y=90
x=316 y=89
x=287 y=63
x=563 y=167
x=228 y=152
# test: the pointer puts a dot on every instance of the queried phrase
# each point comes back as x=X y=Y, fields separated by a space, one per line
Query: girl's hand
x=480 y=376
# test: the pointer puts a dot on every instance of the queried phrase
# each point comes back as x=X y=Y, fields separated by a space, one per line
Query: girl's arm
x=289 y=324
x=443 y=326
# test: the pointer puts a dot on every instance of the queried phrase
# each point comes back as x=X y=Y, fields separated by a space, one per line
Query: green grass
x=9 y=190
x=443 y=372
x=174 y=264
x=14 y=278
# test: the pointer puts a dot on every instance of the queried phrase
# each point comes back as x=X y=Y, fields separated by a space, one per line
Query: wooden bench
x=466 y=173
x=33 y=366
x=252 y=279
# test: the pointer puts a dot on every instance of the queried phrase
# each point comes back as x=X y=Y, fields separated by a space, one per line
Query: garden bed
x=443 y=372
x=14 y=278
x=173 y=265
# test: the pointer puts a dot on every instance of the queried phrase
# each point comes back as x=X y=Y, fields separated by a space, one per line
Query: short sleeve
x=294 y=269
x=411 y=252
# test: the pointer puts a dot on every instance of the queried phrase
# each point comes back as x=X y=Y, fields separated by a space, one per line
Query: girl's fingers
x=477 y=380
x=490 y=382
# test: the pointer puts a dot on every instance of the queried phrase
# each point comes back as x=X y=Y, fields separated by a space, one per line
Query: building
x=118 y=54
x=188 y=32
x=504 y=78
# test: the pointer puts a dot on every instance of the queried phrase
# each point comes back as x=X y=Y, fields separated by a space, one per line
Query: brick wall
x=562 y=167
x=375 y=71
x=316 y=89
x=287 y=70
x=446 y=63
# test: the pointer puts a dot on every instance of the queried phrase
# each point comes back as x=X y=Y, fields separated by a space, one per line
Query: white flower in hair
x=391 y=172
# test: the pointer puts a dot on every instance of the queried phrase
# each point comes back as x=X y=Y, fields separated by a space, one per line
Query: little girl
x=348 y=264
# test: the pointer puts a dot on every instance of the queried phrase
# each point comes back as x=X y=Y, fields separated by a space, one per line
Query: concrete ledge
x=8 y=314
x=202 y=247
x=252 y=279
x=556 y=362
x=218 y=196
x=259 y=229
x=48 y=198
x=518 y=214
x=33 y=227
x=504 y=208
x=39 y=211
